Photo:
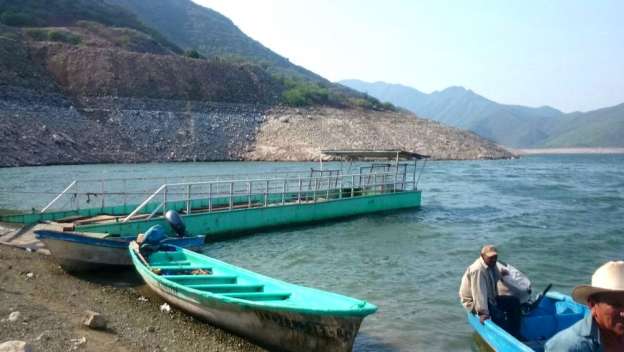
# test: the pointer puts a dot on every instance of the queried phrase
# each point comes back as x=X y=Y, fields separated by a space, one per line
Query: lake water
x=557 y=218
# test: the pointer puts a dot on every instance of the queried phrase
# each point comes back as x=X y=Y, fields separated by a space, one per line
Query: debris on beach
x=30 y=275
x=142 y=299
x=165 y=308
x=78 y=342
x=14 y=316
x=94 y=320
x=15 y=346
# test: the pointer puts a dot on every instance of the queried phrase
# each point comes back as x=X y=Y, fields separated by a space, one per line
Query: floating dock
x=226 y=206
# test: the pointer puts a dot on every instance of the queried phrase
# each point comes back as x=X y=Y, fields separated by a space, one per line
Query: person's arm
x=479 y=295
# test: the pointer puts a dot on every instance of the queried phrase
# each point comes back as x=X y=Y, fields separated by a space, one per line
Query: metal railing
x=212 y=196
x=229 y=188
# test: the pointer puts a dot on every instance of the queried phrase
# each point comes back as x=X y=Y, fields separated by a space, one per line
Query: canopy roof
x=351 y=154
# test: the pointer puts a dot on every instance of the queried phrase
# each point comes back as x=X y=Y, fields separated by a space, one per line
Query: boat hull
x=555 y=313
x=282 y=331
x=305 y=320
x=77 y=252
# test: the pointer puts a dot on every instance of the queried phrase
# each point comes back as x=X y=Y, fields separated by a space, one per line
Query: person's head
x=608 y=310
x=605 y=297
x=489 y=255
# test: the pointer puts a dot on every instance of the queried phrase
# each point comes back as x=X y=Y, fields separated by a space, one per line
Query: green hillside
x=192 y=26
x=598 y=128
x=57 y=13
x=510 y=125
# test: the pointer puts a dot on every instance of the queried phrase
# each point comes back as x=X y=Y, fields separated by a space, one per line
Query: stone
x=94 y=320
x=15 y=346
x=165 y=308
x=14 y=316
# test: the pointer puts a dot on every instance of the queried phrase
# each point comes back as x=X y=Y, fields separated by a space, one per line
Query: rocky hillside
x=81 y=90
x=300 y=134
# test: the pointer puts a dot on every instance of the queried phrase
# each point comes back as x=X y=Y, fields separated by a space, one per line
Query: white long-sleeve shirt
x=478 y=287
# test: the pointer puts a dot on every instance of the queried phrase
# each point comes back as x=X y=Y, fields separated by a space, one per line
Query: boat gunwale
x=367 y=309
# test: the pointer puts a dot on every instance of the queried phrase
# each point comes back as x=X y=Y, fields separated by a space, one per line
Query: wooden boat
x=270 y=312
x=554 y=313
x=90 y=251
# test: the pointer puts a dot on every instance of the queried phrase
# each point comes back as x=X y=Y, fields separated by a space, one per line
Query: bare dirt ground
x=51 y=305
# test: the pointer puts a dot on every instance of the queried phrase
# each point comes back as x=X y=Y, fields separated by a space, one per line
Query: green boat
x=221 y=206
x=269 y=312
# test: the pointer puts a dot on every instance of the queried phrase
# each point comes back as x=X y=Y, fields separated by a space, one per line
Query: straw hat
x=607 y=278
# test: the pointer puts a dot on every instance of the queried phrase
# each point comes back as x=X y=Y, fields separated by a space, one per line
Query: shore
x=52 y=303
x=545 y=151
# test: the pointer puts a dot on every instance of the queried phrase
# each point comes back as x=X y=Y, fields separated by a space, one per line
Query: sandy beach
x=51 y=305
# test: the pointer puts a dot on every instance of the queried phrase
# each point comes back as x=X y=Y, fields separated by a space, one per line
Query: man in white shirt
x=479 y=294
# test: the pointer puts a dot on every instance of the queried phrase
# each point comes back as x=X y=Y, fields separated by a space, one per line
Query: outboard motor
x=151 y=240
x=175 y=221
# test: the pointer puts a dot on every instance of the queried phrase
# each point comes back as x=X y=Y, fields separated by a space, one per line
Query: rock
x=15 y=346
x=43 y=336
x=165 y=308
x=78 y=342
x=94 y=320
x=14 y=316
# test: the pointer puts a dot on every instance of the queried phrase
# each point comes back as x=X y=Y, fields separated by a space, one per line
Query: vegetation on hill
x=192 y=26
x=510 y=125
x=56 y=13
x=301 y=92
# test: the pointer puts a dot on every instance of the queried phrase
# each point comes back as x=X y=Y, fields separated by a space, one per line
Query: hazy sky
x=568 y=54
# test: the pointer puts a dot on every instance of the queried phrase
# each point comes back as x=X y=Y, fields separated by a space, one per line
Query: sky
x=568 y=54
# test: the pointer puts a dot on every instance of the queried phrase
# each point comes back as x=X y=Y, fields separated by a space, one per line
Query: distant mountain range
x=510 y=125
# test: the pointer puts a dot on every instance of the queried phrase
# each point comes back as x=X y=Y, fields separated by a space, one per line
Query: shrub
x=11 y=18
x=304 y=94
x=37 y=34
x=193 y=54
x=64 y=37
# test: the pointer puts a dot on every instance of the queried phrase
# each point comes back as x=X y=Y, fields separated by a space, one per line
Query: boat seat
x=260 y=296
x=201 y=279
x=227 y=288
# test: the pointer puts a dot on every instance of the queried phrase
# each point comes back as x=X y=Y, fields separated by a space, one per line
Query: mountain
x=87 y=81
x=193 y=26
x=511 y=125
x=598 y=128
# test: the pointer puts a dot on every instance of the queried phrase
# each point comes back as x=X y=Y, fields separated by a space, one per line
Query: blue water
x=556 y=218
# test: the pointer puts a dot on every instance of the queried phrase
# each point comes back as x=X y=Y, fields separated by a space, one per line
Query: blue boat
x=554 y=313
x=77 y=251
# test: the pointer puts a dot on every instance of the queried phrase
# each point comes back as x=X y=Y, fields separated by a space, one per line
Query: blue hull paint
x=555 y=313
x=80 y=252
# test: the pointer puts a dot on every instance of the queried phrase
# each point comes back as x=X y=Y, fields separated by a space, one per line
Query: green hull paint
x=219 y=224
x=123 y=210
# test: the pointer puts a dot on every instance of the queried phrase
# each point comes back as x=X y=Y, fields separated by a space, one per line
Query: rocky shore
x=44 y=307
x=46 y=129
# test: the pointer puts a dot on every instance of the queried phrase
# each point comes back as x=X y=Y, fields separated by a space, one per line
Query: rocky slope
x=85 y=92
x=300 y=134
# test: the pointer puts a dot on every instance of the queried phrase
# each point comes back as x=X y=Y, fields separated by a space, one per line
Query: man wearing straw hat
x=603 y=328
